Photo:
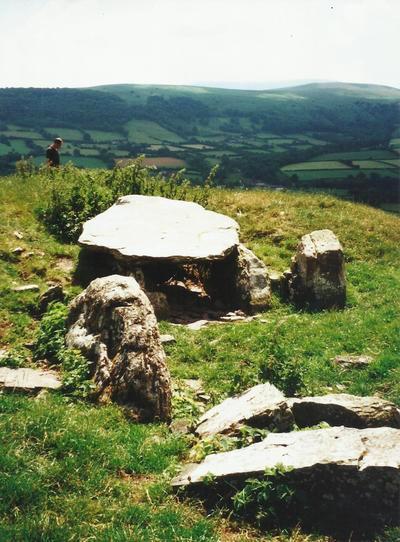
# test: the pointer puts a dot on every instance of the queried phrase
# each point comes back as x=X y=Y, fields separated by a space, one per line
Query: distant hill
x=254 y=135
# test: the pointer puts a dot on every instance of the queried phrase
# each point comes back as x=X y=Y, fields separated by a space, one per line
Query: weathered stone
x=353 y=361
x=262 y=406
x=26 y=288
x=252 y=287
x=145 y=228
x=339 y=472
x=167 y=339
x=113 y=323
x=318 y=278
x=54 y=293
x=18 y=250
x=345 y=409
x=18 y=234
x=160 y=304
x=27 y=379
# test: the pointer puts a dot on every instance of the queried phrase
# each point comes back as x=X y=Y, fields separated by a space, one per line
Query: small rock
x=262 y=406
x=27 y=288
x=195 y=385
x=18 y=250
x=29 y=254
x=27 y=379
x=353 y=361
x=344 y=409
x=195 y=326
x=54 y=293
x=167 y=339
x=18 y=234
x=181 y=426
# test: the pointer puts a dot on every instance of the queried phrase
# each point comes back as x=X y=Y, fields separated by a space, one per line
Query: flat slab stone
x=261 y=406
x=344 y=446
x=27 y=379
x=145 y=228
x=345 y=409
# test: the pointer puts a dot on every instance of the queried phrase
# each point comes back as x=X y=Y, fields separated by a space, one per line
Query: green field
x=370 y=164
x=315 y=175
x=23 y=133
x=67 y=134
x=99 y=136
x=316 y=165
x=19 y=145
x=357 y=155
x=145 y=131
x=4 y=149
x=86 y=161
x=88 y=152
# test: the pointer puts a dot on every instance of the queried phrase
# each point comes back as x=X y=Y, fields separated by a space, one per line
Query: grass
x=76 y=471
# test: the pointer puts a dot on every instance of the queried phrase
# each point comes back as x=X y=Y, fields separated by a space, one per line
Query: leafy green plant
x=75 y=373
x=211 y=445
x=266 y=500
x=50 y=336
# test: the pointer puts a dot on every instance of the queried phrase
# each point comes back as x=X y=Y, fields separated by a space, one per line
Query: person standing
x=52 y=154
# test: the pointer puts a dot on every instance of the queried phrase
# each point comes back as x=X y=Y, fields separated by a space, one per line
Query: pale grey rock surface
x=262 y=406
x=252 y=281
x=145 y=228
x=317 y=272
x=113 y=324
x=345 y=409
x=342 y=446
x=28 y=379
x=26 y=288
x=348 y=361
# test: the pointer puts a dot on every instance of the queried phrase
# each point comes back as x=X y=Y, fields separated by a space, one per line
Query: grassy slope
x=74 y=471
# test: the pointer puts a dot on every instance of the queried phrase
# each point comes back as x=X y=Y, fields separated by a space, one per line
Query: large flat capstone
x=145 y=228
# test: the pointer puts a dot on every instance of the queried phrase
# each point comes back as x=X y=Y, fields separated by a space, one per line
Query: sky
x=232 y=43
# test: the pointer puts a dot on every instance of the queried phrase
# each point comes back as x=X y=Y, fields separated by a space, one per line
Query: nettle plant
x=50 y=344
x=266 y=500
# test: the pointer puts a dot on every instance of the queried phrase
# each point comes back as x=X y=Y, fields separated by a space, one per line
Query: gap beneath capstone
x=180 y=293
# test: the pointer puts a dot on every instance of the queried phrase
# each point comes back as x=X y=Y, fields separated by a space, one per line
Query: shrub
x=74 y=196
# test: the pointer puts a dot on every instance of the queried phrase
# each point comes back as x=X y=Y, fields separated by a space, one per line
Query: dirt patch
x=65 y=264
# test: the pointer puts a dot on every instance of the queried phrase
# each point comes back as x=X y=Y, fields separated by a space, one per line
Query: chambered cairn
x=181 y=254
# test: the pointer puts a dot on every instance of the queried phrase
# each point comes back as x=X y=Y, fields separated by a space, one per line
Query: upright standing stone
x=317 y=273
x=252 y=281
x=113 y=324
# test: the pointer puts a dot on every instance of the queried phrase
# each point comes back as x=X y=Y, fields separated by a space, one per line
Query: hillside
x=252 y=135
x=77 y=471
